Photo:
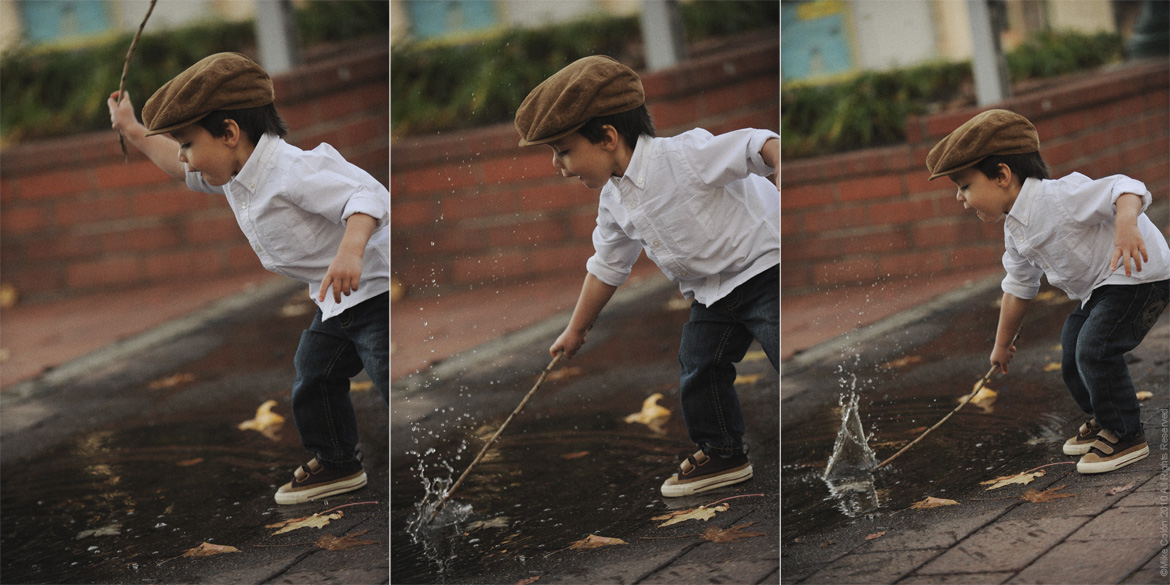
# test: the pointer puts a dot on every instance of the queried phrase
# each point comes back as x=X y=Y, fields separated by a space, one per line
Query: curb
x=169 y=331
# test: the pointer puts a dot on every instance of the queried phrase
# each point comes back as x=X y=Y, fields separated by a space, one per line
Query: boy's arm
x=1011 y=315
x=594 y=295
x=161 y=150
x=345 y=272
x=771 y=155
x=1127 y=238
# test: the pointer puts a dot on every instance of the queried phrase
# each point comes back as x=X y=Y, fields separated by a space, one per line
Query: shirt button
x=639 y=180
x=656 y=243
x=682 y=273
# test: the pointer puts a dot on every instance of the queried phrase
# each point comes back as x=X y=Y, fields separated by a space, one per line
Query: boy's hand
x=1002 y=356
x=1128 y=245
x=121 y=112
x=344 y=274
x=771 y=155
x=568 y=343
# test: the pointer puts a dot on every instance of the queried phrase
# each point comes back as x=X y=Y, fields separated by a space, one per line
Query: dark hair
x=1027 y=165
x=255 y=122
x=629 y=125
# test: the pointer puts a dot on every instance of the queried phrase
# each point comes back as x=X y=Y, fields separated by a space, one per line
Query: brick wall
x=473 y=208
x=75 y=217
x=868 y=215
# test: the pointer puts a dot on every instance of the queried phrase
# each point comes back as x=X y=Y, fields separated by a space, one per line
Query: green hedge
x=59 y=92
x=871 y=109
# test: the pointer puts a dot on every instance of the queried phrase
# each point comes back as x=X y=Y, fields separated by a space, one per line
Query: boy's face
x=990 y=198
x=593 y=163
x=213 y=156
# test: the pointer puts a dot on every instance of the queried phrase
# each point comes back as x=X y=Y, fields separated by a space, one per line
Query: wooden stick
x=126 y=68
x=492 y=441
x=966 y=399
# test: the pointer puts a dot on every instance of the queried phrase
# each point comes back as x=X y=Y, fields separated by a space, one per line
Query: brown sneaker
x=312 y=481
x=1079 y=445
x=700 y=473
x=1108 y=453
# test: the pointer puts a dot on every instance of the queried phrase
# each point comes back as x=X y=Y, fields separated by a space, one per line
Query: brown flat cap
x=585 y=89
x=223 y=81
x=991 y=132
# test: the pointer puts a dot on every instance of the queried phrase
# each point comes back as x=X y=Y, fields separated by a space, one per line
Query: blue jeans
x=330 y=353
x=1094 y=341
x=714 y=339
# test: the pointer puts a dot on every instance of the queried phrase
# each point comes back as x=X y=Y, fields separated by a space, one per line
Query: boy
x=309 y=215
x=701 y=209
x=1078 y=232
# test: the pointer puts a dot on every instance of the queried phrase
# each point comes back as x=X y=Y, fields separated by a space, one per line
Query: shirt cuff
x=1018 y=289
x=367 y=203
x=755 y=143
x=606 y=273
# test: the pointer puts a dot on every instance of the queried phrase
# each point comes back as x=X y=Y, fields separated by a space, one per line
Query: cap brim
x=176 y=126
x=553 y=138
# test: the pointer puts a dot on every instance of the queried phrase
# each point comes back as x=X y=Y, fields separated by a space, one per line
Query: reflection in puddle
x=849 y=473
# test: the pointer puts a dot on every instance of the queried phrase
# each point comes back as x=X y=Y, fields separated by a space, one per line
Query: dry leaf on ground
x=528 y=581
x=267 y=423
x=933 y=502
x=876 y=535
x=700 y=513
x=574 y=455
x=171 y=381
x=594 y=541
x=207 y=549
x=336 y=543
x=1052 y=367
x=1145 y=395
x=314 y=521
x=563 y=373
x=744 y=379
x=189 y=462
x=651 y=415
x=902 y=362
x=1119 y=489
x=1020 y=478
x=1045 y=496
x=984 y=398
x=754 y=356
x=717 y=534
x=360 y=386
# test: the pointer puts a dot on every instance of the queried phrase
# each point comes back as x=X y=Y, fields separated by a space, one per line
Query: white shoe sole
x=1075 y=449
x=285 y=498
x=672 y=490
x=1110 y=465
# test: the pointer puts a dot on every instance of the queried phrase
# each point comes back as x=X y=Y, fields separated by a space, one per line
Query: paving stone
x=1143 y=523
x=870 y=568
x=1008 y=545
x=733 y=572
x=958 y=578
x=939 y=534
x=1081 y=562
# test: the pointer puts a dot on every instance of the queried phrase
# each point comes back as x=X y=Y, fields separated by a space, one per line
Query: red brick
x=805 y=196
x=213 y=229
x=94 y=210
x=905 y=211
x=477 y=204
x=131 y=174
x=677 y=112
x=845 y=271
x=871 y=188
x=184 y=263
x=560 y=196
x=167 y=203
x=110 y=271
x=9 y=190
x=794 y=277
x=537 y=231
x=242 y=258
x=791 y=225
x=408 y=214
x=149 y=238
x=23 y=219
x=443 y=178
x=875 y=243
x=835 y=219
x=985 y=256
x=806 y=249
x=53 y=184
x=58 y=248
x=911 y=263
x=488 y=267
x=537 y=164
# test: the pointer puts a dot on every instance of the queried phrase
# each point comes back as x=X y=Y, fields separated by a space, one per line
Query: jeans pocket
x=1155 y=303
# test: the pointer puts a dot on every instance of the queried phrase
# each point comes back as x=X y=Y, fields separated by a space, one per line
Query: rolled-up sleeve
x=1023 y=277
x=614 y=254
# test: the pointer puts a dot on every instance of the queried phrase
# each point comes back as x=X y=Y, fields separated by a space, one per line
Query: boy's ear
x=231 y=132
x=609 y=137
x=1003 y=176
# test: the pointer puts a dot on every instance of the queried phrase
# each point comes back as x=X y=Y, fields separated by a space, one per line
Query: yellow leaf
x=360 y=386
x=189 y=462
x=336 y=543
x=754 y=356
x=8 y=296
x=984 y=398
x=1020 y=478
x=933 y=502
x=267 y=423
x=207 y=549
x=1145 y=395
x=743 y=379
x=528 y=581
x=594 y=541
x=563 y=373
x=651 y=415
x=171 y=381
x=1119 y=489
x=902 y=362
x=576 y=455
x=314 y=521
x=876 y=535
x=700 y=513
x=1052 y=367
x=717 y=534
x=1045 y=496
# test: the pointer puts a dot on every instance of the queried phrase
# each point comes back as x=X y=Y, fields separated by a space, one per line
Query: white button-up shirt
x=1064 y=229
x=292 y=205
x=699 y=206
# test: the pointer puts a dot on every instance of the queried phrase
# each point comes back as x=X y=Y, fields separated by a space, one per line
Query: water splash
x=436 y=538
x=849 y=473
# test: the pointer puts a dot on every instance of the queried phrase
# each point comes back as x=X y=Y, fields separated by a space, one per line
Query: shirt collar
x=639 y=165
x=252 y=173
x=1022 y=208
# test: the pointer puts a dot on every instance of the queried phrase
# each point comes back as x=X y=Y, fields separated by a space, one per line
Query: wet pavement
x=111 y=474
x=908 y=374
x=570 y=466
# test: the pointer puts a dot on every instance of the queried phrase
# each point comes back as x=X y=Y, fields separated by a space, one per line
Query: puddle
x=849 y=471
